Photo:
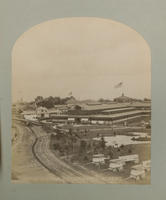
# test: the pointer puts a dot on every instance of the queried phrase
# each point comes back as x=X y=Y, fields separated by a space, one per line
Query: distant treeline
x=50 y=102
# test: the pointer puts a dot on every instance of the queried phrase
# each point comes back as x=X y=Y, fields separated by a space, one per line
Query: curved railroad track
x=58 y=167
x=67 y=173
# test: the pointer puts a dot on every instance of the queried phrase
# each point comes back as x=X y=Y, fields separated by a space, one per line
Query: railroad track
x=58 y=167
x=45 y=156
x=47 y=159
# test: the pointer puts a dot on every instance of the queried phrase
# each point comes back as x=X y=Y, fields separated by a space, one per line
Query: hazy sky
x=87 y=56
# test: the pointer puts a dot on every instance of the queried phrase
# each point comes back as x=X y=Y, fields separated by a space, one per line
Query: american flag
x=118 y=85
x=70 y=94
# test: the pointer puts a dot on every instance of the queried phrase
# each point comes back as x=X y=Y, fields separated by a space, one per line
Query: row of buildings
x=94 y=113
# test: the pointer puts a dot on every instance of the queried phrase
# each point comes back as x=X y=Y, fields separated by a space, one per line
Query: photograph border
x=147 y=17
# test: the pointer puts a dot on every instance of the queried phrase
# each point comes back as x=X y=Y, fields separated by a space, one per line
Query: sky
x=85 y=56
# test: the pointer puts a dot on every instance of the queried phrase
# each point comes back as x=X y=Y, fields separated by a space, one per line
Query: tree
x=57 y=100
x=39 y=100
x=48 y=102
x=102 y=143
x=101 y=100
x=83 y=146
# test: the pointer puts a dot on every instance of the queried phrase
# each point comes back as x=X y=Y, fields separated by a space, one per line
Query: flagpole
x=120 y=85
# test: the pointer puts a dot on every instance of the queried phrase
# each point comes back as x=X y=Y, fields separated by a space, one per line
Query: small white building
x=116 y=167
x=93 y=122
x=146 y=165
x=100 y=122
x=32 y=117
x=62 y=109
x=56 y=112
x=84 y=120
x=137 y=174
x=71 y=119
x=42 y=112
x=137 y=167
x=130 y=158
x=117 y=160
x=98 y=158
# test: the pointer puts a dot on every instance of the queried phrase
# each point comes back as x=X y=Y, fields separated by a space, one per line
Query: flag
x=70 y=94
x=118 y=85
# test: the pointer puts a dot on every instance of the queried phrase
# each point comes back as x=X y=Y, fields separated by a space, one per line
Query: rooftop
x=103 y=106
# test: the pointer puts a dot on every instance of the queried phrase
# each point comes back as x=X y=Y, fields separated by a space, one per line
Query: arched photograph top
x=81 y=103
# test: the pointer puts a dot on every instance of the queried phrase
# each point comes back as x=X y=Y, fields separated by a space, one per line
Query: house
x=62 y=108
x=55 y=112
x=58 y=110
x=31 y=117
x=75 y=107
x=42 y=112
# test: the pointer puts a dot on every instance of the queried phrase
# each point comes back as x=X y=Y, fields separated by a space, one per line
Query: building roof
x=115 y=165
x=118 y=109
x=91 y=107
x=128 y=157
x=103 y=116
x=137 y=167
x=42 y=107
x=141 y=104
x=137 y=172
x=119 y=114
x=98 y=155
x=28 y=112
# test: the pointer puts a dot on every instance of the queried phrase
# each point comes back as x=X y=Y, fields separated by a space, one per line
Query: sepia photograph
x=81 y=103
